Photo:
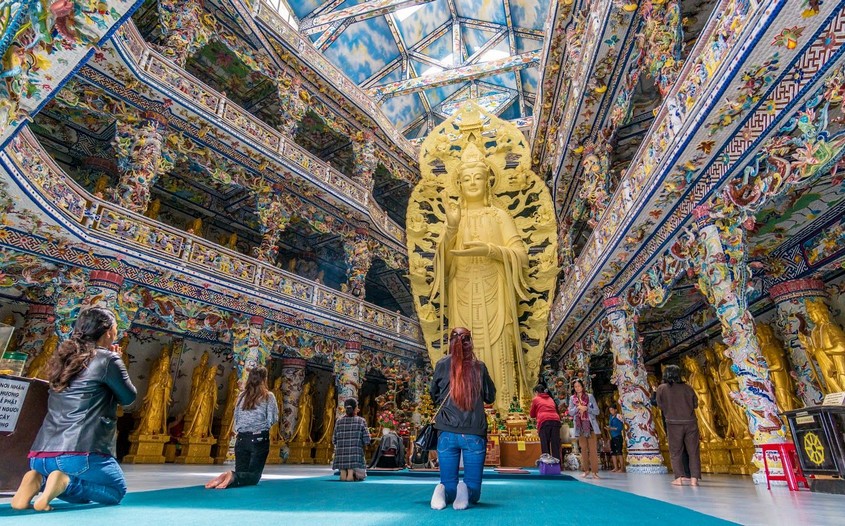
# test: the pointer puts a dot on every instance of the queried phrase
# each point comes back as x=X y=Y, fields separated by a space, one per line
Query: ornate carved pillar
x=661 y=43
x=791 y=299
x=595 y=191
x=273 y=217
x=293 y=101
x=357 y=247
x=630 y=377
x=364 y=149
x=248 y=346
x=348 y=373
x=293 y=372
x=184 y=29
x=721 y=261
x=38 y=325
x=103 y=290
x=140 y=160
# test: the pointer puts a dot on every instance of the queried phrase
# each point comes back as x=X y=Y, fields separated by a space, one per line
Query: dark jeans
x=450 y=447
x=251 y=450
x=684 y=437
x=550 y=437
x=93 y=478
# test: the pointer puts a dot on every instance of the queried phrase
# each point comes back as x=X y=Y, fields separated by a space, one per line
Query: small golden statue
x=276 y=429
x=203 y=406
x=196 y=379
x=775 y=355
x=100 y=186
x=329 y=416
x=38 y=367
x=157 y=400
x=479 y=263
x=305 y=414
x=231 y=241
x=229 y=409
x=728 y=383
x=704 y=411
x=195 y=227
x=153 y=209
x=656 y=414
x=825 y=345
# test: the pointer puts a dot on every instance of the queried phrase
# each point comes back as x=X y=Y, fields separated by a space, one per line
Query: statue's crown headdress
x=472 y=156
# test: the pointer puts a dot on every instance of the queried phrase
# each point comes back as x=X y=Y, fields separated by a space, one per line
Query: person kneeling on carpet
x=350 y=437
x=391 y=451
x=255 y=413
x=72 y=458
x=461 y=386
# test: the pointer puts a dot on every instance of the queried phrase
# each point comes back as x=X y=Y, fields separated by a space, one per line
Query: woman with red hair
x=462 y=385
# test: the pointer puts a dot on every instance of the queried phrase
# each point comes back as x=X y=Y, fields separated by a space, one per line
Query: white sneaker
x=438 y=499
x=462 y=497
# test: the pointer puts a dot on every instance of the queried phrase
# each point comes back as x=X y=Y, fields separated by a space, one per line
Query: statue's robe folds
x=483 y=293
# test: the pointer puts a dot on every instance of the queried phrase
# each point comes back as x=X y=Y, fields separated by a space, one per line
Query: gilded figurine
x=825 y=345
x=329 y=416
x=232 y=393
x=196 y=379
x=728 y=383
x=157 y=400
x=775 y=355
x=305 y=414
x=704 y=410
x=38 y=366
x=203 y=406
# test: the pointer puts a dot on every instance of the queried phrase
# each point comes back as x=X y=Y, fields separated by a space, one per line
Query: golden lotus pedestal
x=300 y=453
x=275 y=455
x=225 y=450
x=196 y=451
x=146 y=449
x=324 y=454
x=742 y=452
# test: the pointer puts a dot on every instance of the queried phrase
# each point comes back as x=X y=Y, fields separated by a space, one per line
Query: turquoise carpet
x=380 y=500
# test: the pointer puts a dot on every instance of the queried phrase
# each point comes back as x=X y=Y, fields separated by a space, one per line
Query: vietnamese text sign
x=12 y=395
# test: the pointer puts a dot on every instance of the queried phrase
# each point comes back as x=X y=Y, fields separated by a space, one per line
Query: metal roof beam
x=356 y=13
x=459 y=74
x=534 y=34
x=331 y=34
x=386 y=70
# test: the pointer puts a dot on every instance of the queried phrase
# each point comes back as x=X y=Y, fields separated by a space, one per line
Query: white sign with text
x=12 y=395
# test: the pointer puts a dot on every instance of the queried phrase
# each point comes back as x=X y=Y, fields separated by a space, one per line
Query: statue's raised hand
x=453 y=212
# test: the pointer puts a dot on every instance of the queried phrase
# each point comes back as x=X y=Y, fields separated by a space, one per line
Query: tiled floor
x=729 y=497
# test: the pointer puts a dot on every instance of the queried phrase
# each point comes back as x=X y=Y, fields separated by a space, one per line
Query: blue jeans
x=450 y=446
x=93 y=478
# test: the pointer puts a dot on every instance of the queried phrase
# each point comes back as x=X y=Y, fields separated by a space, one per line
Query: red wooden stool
x=792 y=473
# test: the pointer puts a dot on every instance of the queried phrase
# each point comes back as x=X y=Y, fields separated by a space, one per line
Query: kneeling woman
x=72 y=457
x=255 y=414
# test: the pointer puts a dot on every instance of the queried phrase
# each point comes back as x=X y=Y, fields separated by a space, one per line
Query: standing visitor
x=72 y=457
x=255 y=413
x=350 y=437
x=461 y=422
x=616 y=427
x=583 y=409
x=543 y=408
x=678 y=401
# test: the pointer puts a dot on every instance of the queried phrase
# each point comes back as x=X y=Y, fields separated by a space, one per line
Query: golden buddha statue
x=728 y=383
x=231 y=241
x=157 y=400
x=38 y=367
x=195 y=227
x=659 y=425
x=711 y=365
x=305 y=414
x=196 y=378
x=203 y=406
x=471 y=265
x=229 y=409
x=153 y=209
x=100 y=186
x=275 y=429
x=704 y=411
x=775 y=355
x=329 y=415
x=825 y=345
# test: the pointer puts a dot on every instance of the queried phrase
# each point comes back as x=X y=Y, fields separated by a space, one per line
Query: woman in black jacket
x=461 y=421
x=72 y=457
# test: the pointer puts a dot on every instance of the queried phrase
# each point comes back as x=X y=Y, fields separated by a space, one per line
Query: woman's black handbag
x=427 y=437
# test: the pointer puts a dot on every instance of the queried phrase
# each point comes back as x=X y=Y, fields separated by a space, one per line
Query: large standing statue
x=728 y=383
x=157 y=400
x=779 y=368
x=275 y=429
x=38 y=366
x=203 y=406
x=659 y=424
x=483 y=247
x=200 y=370
x=305 y=414
x=232 y=393
x=329 y=415
x=704 y=410
x=825 y=345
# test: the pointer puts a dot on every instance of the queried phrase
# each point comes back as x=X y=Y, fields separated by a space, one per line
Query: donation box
x=23 y=406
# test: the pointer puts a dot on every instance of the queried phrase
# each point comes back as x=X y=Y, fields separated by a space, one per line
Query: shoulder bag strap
x=434 y=416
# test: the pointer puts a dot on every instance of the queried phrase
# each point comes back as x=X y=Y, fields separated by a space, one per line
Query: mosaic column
x=38 y=325
x=293 y=372
x=102 y=290
x=791 y=298
x=348 y=373
x=183 y=28
x=364 y=149
x=630 y=377
x=293 y=103
x=140 y=160
x=358 y=251
x=273 y=218
x=248 y=347
x=722 y=264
